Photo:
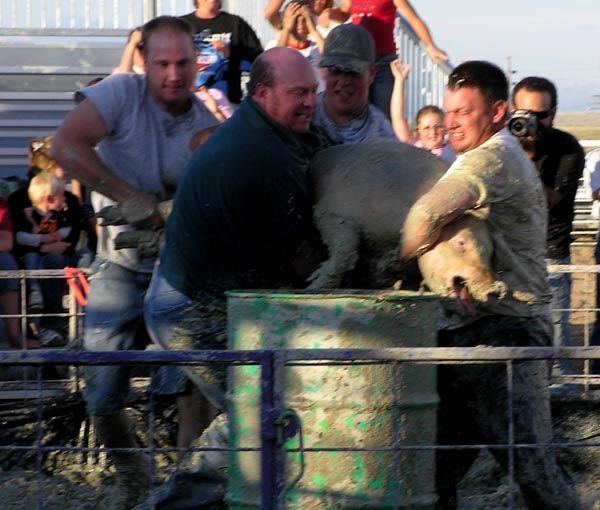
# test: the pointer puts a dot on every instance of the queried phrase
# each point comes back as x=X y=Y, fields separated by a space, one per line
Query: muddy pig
x=362 y=194
x=459 y=265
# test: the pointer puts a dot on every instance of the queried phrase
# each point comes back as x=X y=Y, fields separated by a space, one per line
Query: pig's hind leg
x=342 y=237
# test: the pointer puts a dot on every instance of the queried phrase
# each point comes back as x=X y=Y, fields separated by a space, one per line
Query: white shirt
x=591 y=179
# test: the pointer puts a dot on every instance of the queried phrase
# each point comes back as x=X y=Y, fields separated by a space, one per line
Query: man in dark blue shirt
x=241 y=219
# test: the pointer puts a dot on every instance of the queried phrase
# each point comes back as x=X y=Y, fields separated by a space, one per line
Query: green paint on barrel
x=340 y=406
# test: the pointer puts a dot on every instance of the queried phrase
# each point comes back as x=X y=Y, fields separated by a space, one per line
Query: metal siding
x=252 y=12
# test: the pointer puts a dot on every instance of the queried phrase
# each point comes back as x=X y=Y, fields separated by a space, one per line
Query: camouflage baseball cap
x=348 y=48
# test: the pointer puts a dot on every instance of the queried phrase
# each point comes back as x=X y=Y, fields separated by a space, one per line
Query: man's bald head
x=284 y=84
x=272 y=62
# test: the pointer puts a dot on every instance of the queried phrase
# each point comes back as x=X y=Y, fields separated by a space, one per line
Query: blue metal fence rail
x=272 y=364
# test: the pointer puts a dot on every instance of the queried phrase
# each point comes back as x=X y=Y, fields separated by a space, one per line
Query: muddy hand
x=110 y=215
x=146 y=242
x=114 y=215
x=140 y=209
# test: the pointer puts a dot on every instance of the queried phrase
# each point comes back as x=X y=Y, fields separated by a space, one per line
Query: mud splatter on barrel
x=349 y=406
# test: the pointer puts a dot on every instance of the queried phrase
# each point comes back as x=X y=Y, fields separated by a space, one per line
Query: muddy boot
x=202 y=482
x=133 y=468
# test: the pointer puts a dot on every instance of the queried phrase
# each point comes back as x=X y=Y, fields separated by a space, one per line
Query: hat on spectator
x=348 y=48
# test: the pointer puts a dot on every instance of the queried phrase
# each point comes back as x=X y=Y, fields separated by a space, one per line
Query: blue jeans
x=560 y=286
x=380 y=91
x=8 y=263
x=113 y=321
x=175 y=321
x=53 y=289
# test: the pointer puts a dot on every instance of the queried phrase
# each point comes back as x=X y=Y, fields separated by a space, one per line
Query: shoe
x=133 y=483
x=50 y=338
x=35 y=300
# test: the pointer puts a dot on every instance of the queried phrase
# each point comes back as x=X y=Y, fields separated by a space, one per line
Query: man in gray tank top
x=146 y=128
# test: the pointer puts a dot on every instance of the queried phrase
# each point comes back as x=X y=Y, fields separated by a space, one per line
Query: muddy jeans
x=175 y=321
x=474 y=407
x=113 y=322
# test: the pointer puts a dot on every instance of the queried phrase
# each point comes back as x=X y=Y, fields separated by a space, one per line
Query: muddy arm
x=446 y=202
x=74 y=149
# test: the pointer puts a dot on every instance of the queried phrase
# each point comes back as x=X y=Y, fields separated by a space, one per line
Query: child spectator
x=216 y=102
x=37 y=245
x=132 y=60
x=45 y=232
x=429 y=123
x=319 y=10
x=299 y=33
x=41 y=161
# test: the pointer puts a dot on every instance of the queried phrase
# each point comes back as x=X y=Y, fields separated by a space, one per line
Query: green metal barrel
x=344 y=406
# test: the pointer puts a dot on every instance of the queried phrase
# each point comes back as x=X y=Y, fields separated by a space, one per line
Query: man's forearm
x=421 y=230
x=83 y=163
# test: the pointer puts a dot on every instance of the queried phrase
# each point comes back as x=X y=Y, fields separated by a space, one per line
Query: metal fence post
x=149 y=10
x=268 y=435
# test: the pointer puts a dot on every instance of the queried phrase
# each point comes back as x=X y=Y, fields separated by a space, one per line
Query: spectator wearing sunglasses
x=560 y=160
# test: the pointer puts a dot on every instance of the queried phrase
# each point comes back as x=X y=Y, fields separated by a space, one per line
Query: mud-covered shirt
x=242 y=209
x=512 y=201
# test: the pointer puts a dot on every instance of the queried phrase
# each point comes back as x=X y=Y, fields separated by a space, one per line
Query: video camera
x=523 y=123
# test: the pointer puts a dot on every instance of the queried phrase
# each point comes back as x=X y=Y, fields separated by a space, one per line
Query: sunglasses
x=543 y=114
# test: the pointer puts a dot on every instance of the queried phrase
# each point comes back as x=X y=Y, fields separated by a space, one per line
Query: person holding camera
x=560 y=160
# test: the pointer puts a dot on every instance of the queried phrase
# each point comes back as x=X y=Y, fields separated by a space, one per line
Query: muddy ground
x=74 y=481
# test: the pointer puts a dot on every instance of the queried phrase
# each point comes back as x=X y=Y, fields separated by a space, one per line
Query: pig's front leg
x=341 y=235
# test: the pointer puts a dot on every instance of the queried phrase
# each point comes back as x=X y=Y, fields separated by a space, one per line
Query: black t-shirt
x=560 y=160
x=70 y=216
x=244 y=44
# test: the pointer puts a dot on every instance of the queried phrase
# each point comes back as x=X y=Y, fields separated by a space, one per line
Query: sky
x=557 y=39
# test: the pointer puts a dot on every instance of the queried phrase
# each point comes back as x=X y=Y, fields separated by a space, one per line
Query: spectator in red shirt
x=9 y=288
x=378 y=17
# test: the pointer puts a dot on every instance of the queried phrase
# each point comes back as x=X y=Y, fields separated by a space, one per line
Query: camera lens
x=518 y=127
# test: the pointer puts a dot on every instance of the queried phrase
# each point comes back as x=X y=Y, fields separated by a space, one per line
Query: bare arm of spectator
x=272 y=13
x=341 y=13
x=56 y=247
x=400 y=71
x=289 y=20
x=74 y=148
x=312 y=29
x=211 y=103
x=414 y=20
x=126 y=62
x=36 y=240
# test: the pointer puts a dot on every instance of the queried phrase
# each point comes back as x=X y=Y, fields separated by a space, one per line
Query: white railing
x=427 y=80
x=115 y=17
x=21 y=16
